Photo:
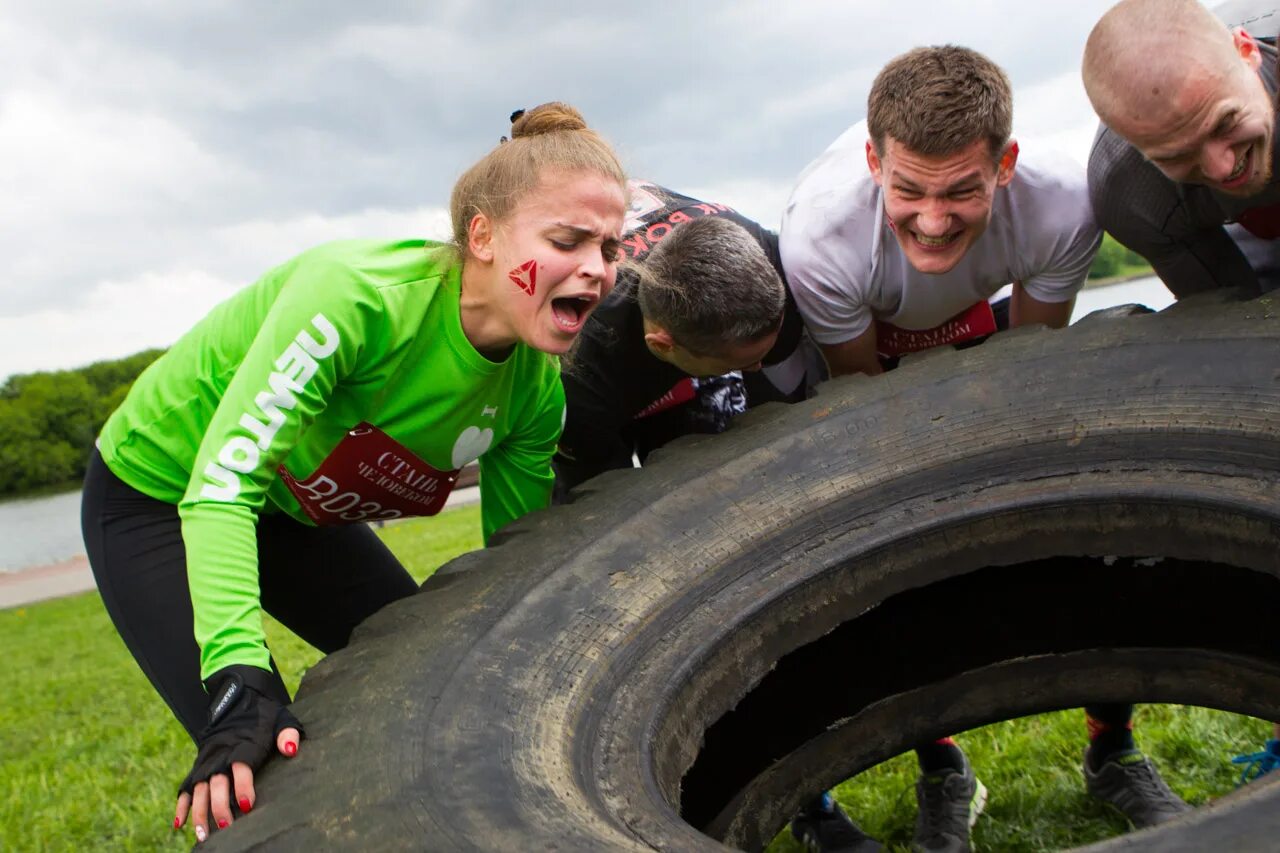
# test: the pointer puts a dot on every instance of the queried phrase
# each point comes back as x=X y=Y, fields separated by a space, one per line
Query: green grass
x=1031 y=768
x=90 y=758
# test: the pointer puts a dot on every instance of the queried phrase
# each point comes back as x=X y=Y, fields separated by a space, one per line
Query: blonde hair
x=549 y=136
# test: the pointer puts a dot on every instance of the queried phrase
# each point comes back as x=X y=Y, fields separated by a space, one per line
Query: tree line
x=1114 y=259
x=49 y=420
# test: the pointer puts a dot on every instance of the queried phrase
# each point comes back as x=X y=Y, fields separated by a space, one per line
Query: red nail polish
x=177 y=824
x=290 y=748
x=244 y=805
x=222 y=823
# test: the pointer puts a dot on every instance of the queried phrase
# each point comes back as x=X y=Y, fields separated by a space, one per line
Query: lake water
x=1149 y=291
x=39 y=531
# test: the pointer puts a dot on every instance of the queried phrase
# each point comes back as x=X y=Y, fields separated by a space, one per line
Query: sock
x=823 y=804
x=942 y=754
x=1110 y=732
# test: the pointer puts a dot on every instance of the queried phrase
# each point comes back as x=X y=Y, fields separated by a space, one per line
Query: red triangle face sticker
x=525 y=276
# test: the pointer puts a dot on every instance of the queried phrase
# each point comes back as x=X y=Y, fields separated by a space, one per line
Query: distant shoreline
x=1118 y=279
x=52 y=490
x=73 y=575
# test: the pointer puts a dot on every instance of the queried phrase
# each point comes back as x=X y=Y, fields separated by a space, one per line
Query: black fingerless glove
x=246 y=712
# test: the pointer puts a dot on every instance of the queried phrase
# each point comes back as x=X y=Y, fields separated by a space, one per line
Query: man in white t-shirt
x=902 y=253
x=894 y=241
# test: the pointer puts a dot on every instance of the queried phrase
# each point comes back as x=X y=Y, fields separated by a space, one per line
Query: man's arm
x=1025 y=310
x=854 y=356
x=1179 y=234
x=1205 y=261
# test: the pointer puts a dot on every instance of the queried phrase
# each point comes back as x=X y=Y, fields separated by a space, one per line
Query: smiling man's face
x=939 y=206
x=1215 y=126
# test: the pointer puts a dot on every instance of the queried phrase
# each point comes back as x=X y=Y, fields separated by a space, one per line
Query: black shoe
x=948 y=803
x=821 y=826
x=1130 y=782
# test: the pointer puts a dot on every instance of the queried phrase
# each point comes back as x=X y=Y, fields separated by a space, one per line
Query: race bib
x=370 y=477
x=973 y=322
x=1261 y=222
x=682 y=392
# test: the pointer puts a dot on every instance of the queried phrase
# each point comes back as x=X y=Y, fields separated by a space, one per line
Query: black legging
x=320 y=582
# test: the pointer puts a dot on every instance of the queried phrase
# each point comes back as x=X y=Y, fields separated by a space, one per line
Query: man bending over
x=699 y=327
x=894 y=241
x=1181 y=169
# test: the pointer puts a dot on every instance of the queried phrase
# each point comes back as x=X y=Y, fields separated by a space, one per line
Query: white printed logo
x=294 y=369
x=470 y=445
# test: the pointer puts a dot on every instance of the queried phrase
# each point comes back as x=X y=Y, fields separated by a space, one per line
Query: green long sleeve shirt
x=338 y=388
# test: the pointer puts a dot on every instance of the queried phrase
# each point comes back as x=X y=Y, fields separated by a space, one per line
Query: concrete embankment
x=65 y=578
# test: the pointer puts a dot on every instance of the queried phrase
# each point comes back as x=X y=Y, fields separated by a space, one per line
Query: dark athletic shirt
x=620 y=399
x=1196 y=238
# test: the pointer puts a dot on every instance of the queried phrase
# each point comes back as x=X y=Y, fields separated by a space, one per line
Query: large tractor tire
x=634 y=671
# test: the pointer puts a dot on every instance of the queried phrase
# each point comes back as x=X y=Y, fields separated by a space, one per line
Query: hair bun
x=552 y=117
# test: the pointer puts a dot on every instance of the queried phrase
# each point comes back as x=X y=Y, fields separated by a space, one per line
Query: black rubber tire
x=652 y=650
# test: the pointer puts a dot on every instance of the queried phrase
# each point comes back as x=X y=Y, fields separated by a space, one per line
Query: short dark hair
x=936 y=101
x=710 y=285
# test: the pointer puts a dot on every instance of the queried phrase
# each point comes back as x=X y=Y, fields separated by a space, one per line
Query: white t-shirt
x=846 y=269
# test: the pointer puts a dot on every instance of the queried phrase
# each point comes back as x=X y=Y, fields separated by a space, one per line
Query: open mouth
x=1240 y=174
x=935 y=243
x=570 y=312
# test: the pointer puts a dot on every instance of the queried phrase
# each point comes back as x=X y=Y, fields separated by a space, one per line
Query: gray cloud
x=140 y=140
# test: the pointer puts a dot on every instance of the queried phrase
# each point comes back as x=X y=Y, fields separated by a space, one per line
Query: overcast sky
x=155 y=155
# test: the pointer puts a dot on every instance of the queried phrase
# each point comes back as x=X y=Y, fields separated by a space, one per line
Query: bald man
x=1181 y=169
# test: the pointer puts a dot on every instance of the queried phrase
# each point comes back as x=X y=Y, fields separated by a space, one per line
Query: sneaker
x=1259 y=763
x=948 y=803
x=823 y=827
x=1130 y=782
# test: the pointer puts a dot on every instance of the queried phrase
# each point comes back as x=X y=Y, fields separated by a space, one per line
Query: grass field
x=1031 y=768
x=89 y=756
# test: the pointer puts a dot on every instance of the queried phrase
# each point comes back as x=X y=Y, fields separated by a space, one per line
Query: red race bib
x=682 y=392
x=973 y=322
x=1261 y=222
x=370 y=477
